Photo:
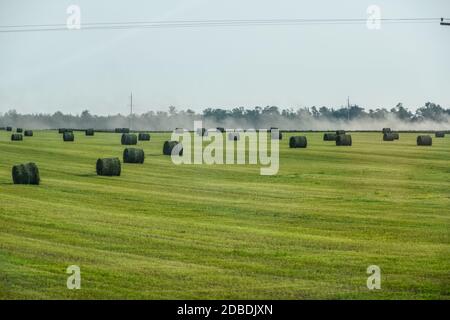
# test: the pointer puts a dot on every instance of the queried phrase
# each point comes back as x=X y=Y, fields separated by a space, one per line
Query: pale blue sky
x=288 y=66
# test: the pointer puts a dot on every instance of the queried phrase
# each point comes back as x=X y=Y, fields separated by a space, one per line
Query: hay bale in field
x=8 y=128
x=234 y=136
x=68 y=136
x=338 y=132
x=169 y=146
x=388 y=136
x=144 y=137
x=108 y=167
x=133 y=155
x=89 y=132
x=19 y=130
x=128 y=139
x=396 y=135
x=344 y=140
x=329 y=137
x=28 y=133
x=386 y=130
x=298 y=142
x=16 y=137
x=424 y=141
x=439 y=134
x=26 y=174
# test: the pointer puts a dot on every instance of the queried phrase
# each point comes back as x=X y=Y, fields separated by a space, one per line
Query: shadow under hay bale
x=68 y=136
x=26 y=174
x=344 y=140
x=19 y=130
x=338 y=132
x=298 y=142
x=234 y=136
x=439 y=134
x=28 y=133
x=172 y=146
x=386 y=130
x=128 y=139
x=133 y=155
x=424 y=141
x=144 y=137
x=108 y=167
x=329 y=137
x=89 y=132
x=16 y=137
x=388 y=137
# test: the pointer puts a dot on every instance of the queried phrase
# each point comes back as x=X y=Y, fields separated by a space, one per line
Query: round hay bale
x=16 y=137
x=338 y=132
x=89 y=132
x=234 y=136
x=396 y=135
x=144 y=137
x=108 y=167
x=169 y=147
x=68 y=136
x=298 y=142
x=329 y=137
x=439 y=134
x=344 y=140
x=8 y=128
x=133 y=155
x=28 y=133
x=25 y=174
x=386 y=130
x=128 y=139
x=388 y=137
x=19 y=130
x=424 y=141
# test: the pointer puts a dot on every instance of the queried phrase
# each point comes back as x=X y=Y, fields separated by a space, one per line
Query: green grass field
x=161 y=231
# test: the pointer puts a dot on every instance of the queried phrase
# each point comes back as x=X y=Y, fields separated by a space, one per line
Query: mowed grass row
x=163 y=231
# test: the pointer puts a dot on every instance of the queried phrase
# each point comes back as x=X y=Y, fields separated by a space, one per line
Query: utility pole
x=131 y=109
x=444 y=23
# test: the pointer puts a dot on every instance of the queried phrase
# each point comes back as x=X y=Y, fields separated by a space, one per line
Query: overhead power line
x=206 y=23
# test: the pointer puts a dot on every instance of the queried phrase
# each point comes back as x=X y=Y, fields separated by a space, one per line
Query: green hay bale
x=388 y=137
x=338 y=132
x=439 y=134
x=8 y=128
x=424 y=141
x=144 y=137
x=108 y=167
x=16 y=137
x=128 y=139
x=329 y=137
x=68 y=136
x=19 y=130
x=172 y=146
x=28 y=133
x=396 y=135
x=234 y=136
x=298 y=142
x=133 y=155
x=89 y=132
x=386 y=130
x=26 y=174
x=344 y=140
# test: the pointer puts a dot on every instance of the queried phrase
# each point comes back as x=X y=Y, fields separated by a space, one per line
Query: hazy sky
x=287 y=66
